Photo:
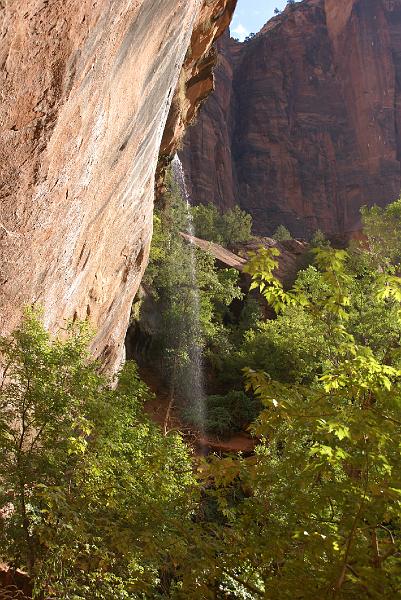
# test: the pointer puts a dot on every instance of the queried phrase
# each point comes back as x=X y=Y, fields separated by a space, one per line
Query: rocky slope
x=85 y=91
x=294 y=255
x=305 y=125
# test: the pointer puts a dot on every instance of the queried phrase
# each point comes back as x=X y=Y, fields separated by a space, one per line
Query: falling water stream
x=196 y=396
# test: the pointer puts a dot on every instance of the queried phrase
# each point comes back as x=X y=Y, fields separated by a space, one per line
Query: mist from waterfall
x=195 y=385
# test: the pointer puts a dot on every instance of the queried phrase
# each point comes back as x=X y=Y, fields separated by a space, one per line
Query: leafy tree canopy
x=282 y=234
x=227 y=228
x=321 y=516
x=92 y=496
x=192 y=294
x=96 y=503
x=382 y=227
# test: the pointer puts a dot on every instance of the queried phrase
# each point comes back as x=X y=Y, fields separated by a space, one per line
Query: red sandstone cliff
x=305 y=124
x=85 y=91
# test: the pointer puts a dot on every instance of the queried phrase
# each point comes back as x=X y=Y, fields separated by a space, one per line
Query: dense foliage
x=382 y=227
x=227 y=228
x=92 y=496
x=96 y=503
x=225 y=414
x=321 y=517
x=319 y=240
x=191 y=295
x=282 y=234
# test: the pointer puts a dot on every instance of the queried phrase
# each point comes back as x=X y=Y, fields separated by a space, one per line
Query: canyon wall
x=305 y=124
x=86 y=88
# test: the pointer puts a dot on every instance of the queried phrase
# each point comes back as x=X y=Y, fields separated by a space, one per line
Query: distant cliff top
x=305 y=125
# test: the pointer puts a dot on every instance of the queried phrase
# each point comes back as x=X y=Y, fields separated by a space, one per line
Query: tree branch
x=248 y=586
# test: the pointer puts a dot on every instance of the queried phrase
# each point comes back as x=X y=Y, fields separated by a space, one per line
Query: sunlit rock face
x=85 y=90
x=305 y=125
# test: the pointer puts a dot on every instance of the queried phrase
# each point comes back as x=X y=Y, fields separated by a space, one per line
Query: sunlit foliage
x=92 y=496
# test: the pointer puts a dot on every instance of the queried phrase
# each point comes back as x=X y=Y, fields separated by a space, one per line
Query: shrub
x=228 y=228
x=382 y=227
x=235 y=226
x=206 y=219
x=226 y=414
x=319 y=240
x=282 y=234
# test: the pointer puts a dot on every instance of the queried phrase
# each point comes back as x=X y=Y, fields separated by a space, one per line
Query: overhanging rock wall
x=85 y=90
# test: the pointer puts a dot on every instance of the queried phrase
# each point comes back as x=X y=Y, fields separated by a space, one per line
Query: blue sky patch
x=251 y=15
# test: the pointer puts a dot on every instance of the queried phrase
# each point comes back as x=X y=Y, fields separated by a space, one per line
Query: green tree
x=228 y=228
x=282 y=234
x=235 y=226
x=206 y=218
x=382 y=227
x=322 y=509
x=192 y=295
x=92 y=496
x=250 y=37
x=319 y=240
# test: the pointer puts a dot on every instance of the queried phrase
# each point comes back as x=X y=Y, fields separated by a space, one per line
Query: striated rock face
x=85 y=91
x=305 y=124
x=207 y=155
x=196 y=78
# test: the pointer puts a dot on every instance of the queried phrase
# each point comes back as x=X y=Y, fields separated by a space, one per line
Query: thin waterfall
x=196 y=384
